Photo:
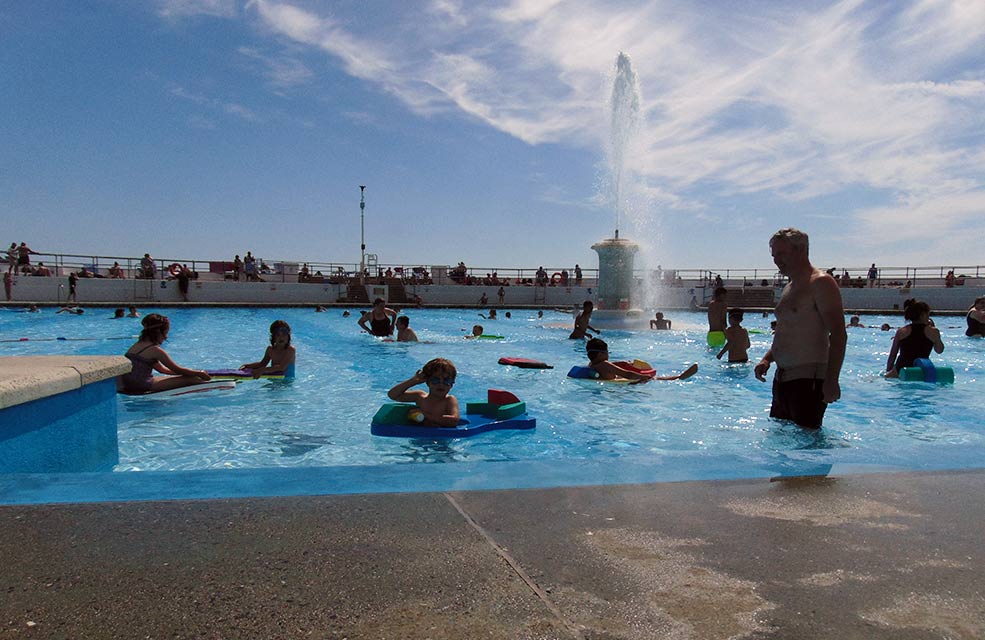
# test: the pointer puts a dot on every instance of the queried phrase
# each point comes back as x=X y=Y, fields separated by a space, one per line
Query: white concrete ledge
x=23 y=379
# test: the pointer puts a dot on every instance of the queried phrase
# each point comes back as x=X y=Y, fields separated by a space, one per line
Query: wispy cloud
x=184 y=8
x=214 y=105
x=281 y=71
x=790 y=101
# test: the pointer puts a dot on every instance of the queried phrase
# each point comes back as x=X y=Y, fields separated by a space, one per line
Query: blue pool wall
x=69 y=432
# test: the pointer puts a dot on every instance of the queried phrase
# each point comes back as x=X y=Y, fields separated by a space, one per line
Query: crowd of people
x=808 y=342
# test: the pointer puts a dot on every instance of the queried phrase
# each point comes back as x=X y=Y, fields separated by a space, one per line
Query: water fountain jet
x=615 y=290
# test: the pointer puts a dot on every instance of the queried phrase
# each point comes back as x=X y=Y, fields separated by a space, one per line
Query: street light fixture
x=362 y=233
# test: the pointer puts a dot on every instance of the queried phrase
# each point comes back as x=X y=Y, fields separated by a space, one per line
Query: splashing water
x=625 y=106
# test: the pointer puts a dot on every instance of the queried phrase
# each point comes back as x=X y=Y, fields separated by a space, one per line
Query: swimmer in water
x=279 y=356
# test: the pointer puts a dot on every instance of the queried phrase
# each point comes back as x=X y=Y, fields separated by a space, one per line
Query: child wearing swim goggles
x=438 y=406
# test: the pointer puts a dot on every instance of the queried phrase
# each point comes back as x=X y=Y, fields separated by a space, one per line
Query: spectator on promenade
x=564 y=277
x=116 y=271
x=975 y=318
x=577 y=276
x=183 y=277
x=913 y=341
x=237 y=267
x=250 y=267
x=502 y=295
x=949 y=279
x=24 y=257
x=873 y=275
x=73 y=281
x=809 y=342
x=542 y=277
x=483 y=299
x=42 y=271
x=718 y=281
x=659 y=322
x=148 y=269
x=12 y=256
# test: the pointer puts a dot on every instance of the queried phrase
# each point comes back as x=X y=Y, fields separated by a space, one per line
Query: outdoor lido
x=524 y=422
x=62 y=416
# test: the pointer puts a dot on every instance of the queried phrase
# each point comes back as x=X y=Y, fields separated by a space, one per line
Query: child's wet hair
x=915 y=309
x=276 y=327
x=403 y=321
x=738 y=314
x=439 y=367
x=596 y=344
x=155 y=326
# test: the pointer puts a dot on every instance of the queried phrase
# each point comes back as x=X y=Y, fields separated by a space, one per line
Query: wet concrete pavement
x=861 y=556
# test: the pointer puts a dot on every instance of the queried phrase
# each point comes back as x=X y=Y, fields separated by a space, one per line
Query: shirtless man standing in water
x=809 y=343
x=581 y=322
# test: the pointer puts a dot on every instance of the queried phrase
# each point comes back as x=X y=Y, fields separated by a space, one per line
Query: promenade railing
x=61 y=264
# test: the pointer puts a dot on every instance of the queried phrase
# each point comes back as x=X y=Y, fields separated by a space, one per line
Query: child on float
x=598 y=359
x=279 y=357
x=476 y=332
x=439 y=407
x=913 y=341
x=736 y=339
x=404 y=332
x=147 y=356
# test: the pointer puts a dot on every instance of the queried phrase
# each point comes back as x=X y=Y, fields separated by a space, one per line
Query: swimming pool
x=714 y=425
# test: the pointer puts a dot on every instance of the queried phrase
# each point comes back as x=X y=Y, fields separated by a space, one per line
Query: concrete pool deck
x=891 y=555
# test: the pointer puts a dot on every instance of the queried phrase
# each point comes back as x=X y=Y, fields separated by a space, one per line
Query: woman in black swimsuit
x=976 y=318
x=381 y=319
x=913 y=341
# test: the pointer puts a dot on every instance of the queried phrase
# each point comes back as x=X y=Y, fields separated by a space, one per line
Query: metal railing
x=60 y=264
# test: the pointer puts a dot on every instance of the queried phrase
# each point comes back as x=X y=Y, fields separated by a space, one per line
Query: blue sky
x=206 y=128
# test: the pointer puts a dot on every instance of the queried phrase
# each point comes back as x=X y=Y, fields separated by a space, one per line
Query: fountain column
x=615 y=286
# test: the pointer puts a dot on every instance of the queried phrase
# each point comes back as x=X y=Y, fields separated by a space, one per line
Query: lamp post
x=362 y=234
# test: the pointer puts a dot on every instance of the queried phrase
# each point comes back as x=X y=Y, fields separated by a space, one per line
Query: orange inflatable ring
x=555 y=277
x=174 y=269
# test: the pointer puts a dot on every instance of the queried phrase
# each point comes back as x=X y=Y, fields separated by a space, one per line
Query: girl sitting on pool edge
x=279 y=357
x=439 y=407
x=147 y=356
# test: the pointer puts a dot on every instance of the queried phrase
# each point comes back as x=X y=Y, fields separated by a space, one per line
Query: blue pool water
x=714 y=425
